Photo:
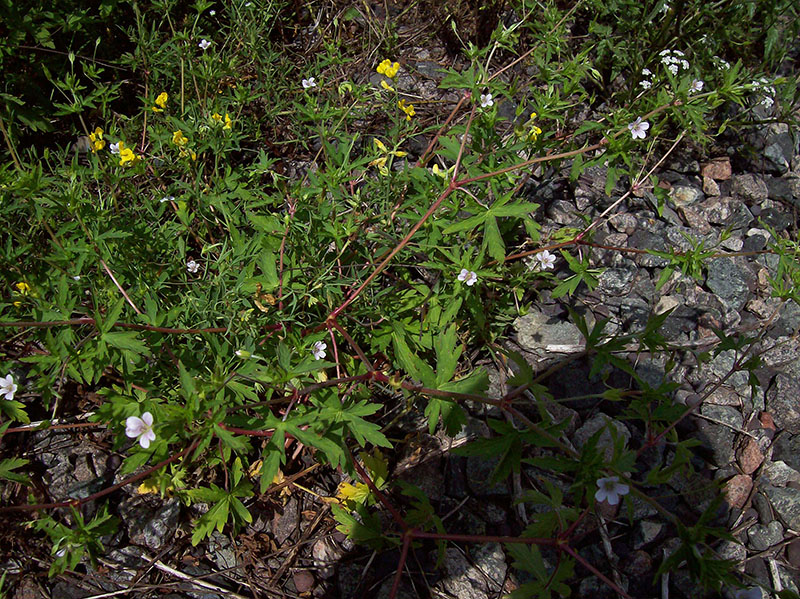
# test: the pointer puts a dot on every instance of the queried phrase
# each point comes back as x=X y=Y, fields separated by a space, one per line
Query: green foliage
x=220 y=271
x=71 y=543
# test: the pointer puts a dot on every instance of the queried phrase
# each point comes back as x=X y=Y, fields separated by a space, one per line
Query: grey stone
x=763 y=537
x=286 y=523
x=605 y=443
x=780 y=221
x=731 y=550
x=783 y=402
x=646 y=532
x=776 y=158
x=750 y=188
x=778 y=473
x=786 y=448
x=221 y=550
x=615 y=281
x=727 y=212
x=786 y=502
x=150 y=522
x=788 y=321
x=543 y=334
x=780 y=189
x=719 y=438
x=645 y=240
x=683 y=195
x=461 y=579
x=491 y=560
x=728 y=281
x=710 y=187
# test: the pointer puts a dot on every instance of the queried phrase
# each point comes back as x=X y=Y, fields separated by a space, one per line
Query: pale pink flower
x=141 y=428
x=610 y=490
x=638 y=128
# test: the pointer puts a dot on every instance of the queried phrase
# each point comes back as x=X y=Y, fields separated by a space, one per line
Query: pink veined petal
x=622 y=489
x=644 y=125
x=613 y=498
x=601 y=494
x=147 y=417
x=133 y=426
x=144 y=441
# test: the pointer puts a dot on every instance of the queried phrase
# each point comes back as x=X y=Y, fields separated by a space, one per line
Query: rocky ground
x=749 y=440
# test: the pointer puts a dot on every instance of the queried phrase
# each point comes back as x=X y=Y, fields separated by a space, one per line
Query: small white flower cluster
x=721 y=64
x=646 y=83
x=674 y=61
x=763 y=85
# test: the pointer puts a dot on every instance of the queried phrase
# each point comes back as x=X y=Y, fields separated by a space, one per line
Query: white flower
x=319 y=350
x=645 y=84
x=468 y=276
x=638 y=128
x=212 y=13
x=768 y=101
x=646 y=72
x=248 y=4
x=696 y=86
x=141 y=428
x=192 y=266
x=204 y=44
x=685 y=65
x=486 y=100
x=673 y=68
x=309 y=83
x=546 y=260
x=114 y=148
x=8 y=387
x=166 y=199
x=610 y=490
x=76 y=278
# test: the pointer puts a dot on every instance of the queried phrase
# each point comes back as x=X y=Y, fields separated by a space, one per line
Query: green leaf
x=493 y=239
x=6 y=467
x=127 y=341
x=409 y=361
x=453 y=416
x=447 y=355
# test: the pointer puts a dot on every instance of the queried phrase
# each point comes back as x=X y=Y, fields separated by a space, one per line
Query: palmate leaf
x=6 y=467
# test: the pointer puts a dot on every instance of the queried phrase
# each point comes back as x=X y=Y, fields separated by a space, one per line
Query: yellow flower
x=407 y=108
x=388 y=68
x=386 y=86
x=127 y=156
x=23 y=288
x=179 y=139
x=96 y=140
x=529 y=131
x=381 y=161
x=228 y=123
x=216 y=117
x=161 y=102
